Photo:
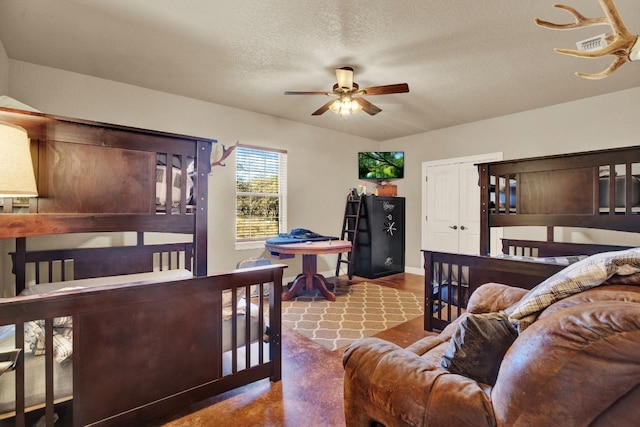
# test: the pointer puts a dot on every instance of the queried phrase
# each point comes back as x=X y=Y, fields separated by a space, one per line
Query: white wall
x=4 y=71
x=595 y=123
x=322 y=163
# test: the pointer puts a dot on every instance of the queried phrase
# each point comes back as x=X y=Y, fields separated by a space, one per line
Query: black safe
x=380 y=243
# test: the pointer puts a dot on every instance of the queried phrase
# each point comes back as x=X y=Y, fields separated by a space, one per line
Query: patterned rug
x=360 y=310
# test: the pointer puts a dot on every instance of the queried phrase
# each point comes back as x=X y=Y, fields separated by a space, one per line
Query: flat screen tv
x=381 y=165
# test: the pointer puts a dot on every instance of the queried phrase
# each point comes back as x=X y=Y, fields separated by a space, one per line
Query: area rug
x=360 y=310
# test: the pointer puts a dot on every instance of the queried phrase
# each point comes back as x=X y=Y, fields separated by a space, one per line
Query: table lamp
x=17 y=178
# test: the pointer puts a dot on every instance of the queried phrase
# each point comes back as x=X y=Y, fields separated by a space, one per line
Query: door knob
x=453 y=227
x=462 y=227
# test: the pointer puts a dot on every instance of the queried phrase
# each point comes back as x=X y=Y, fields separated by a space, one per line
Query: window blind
x=261 y=191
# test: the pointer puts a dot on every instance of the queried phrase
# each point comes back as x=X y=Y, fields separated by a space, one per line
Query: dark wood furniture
x=309 y=278
x=380 y=239
x=569 y=190
x=140 y=351
x=596 y=189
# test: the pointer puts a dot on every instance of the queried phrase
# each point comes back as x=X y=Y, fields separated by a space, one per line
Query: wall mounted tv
x=381 y=165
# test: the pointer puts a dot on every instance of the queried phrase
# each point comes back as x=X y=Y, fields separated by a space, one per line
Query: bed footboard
x=451 y=278
x=143 y=351
x=36 y=267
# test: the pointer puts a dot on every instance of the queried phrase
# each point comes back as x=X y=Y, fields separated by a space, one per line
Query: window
x=261 y=194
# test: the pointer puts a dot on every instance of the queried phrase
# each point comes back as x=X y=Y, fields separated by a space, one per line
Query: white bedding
x=559 y=260
x=161 y=186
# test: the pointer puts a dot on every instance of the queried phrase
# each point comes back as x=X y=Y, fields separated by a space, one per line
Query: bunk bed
x=595 y=189
x=148 y=329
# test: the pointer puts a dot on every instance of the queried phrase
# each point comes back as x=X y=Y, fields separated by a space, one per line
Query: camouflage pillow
x=478 y=346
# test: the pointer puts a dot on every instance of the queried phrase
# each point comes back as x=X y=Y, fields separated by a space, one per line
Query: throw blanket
x=297 y=235
x=62 y=338
x=586 y=274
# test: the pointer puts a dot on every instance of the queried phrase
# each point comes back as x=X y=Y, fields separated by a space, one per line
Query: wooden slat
x=48 y=371
x=20 y=387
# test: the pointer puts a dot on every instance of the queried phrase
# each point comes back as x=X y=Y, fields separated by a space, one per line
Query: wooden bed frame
x=140 y=351
x=570 y=190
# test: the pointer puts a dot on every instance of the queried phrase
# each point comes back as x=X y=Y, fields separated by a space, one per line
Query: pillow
x=478 y=345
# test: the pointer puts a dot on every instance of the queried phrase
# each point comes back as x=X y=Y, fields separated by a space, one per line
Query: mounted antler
x=226 y=152
x=621 y=43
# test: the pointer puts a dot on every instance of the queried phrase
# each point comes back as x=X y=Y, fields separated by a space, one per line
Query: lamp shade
x=16 y=168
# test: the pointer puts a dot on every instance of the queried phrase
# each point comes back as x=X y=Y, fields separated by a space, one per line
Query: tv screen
x=381 y=165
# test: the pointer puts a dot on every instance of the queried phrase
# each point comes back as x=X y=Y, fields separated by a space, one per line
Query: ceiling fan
x=350 y=97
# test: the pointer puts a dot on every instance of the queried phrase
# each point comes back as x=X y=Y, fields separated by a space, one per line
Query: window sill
x=243 y=246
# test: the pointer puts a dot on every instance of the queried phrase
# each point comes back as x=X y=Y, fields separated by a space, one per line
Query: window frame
x=258 y=242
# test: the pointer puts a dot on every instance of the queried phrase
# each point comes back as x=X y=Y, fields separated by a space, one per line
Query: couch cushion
x=478 y=346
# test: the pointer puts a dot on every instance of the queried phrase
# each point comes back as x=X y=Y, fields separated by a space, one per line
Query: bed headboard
x=96 y=177
x=569 y=190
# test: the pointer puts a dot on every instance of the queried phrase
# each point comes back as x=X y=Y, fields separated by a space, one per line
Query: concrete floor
x=311 y=390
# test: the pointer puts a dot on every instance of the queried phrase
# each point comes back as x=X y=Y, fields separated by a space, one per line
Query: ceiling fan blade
x=306 y=93
x=368 y=107
x=322 y=109
x=387 y=89
x=344 y=76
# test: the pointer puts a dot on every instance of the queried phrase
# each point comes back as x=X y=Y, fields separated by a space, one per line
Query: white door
x=451 y=205
x=469 y=219
x=443 y=208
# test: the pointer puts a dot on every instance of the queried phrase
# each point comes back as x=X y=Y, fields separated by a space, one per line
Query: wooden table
x=309 y=278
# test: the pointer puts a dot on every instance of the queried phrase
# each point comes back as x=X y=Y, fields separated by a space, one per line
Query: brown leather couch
x=578 y=364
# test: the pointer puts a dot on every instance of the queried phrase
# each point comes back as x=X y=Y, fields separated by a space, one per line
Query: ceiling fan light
x=335 y=106
x=345 y=106
x=355 y=106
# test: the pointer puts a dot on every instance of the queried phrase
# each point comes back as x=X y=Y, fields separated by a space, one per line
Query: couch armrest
x=389 y=384
x=492 y=297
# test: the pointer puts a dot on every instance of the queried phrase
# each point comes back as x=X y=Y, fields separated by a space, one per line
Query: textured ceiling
x=463 y=60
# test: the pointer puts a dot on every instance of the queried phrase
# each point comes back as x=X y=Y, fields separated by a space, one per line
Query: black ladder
x=354 y=210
